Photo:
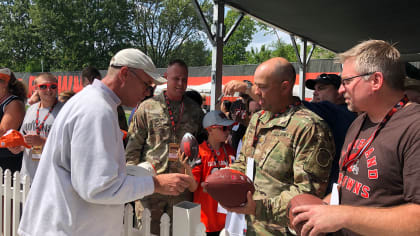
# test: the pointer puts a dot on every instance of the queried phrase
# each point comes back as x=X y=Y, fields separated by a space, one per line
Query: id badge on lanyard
x=173 y=150
x=36 y=152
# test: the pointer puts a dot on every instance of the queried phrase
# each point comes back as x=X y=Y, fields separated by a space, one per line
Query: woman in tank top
x=12 y=112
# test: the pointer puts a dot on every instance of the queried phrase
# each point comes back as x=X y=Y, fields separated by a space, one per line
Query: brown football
x=228 y=187
x=301 y=200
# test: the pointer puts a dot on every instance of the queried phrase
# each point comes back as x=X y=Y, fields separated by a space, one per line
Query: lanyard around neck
x=171 y=114
x=214 y=153
x=41 y=126
x=350 y=159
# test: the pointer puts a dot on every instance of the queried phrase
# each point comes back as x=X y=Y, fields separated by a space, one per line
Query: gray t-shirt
x=30 y=156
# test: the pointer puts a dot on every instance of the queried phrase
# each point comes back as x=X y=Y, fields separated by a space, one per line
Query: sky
x=261 y=38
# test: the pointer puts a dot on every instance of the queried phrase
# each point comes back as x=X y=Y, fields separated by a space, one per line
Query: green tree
x=282 y=49
x=288 y=51
x=18 y=39
x=256 y=56
x=79 y=32
x=194 y=53
x=162 y=27
x=68 y=35
x=322 y=53
x=234 y=51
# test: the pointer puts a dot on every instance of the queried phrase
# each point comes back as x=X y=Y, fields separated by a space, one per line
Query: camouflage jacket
x=150 y=131
x=293 y=154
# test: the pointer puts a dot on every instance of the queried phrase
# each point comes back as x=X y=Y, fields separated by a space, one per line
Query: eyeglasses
x=347 y=81
x=139 y=77
x=223 y=128
x=47 y=85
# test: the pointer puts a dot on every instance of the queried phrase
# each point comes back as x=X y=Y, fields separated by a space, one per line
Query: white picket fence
x=14 y=193
x=13 y=200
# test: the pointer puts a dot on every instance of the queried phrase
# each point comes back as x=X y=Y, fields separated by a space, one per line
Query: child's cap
x=216 y=118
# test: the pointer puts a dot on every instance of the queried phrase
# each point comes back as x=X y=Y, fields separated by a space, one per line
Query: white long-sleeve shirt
x=81 y=182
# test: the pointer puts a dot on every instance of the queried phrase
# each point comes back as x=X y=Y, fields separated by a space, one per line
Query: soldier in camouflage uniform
x=292 y=148
x=152 y=134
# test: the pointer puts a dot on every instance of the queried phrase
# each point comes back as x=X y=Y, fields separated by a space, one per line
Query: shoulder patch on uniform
x=324 y=157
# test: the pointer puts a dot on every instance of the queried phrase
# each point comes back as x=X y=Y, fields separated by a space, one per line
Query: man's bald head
x=274 y=80
x=278 y=69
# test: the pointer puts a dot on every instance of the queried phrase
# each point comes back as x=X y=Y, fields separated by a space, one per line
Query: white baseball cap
x=134 y=58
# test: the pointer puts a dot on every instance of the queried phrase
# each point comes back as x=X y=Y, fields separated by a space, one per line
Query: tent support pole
x=303 y=61
x=233 y=28
x=215 y=35
x=217 y=38
x=218 y=29
x=203 y=21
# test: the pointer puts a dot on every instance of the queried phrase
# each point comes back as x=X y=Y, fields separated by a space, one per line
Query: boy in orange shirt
x=214 y=154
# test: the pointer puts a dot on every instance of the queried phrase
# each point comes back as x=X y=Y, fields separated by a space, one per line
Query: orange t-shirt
x=214 y=221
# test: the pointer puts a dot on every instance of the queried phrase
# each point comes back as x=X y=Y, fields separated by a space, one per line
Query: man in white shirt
x=81 y=183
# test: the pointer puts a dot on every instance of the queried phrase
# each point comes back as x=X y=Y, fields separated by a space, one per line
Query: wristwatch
x=248 y=86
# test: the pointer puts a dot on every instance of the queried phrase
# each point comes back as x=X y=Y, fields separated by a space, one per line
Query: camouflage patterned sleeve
x=137 y=135
x=313 y=154
x=240 y=163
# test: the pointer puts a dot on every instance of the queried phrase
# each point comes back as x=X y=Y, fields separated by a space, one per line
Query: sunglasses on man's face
x=48 y=85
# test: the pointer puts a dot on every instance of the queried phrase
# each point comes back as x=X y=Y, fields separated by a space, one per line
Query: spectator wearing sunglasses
x=12 y=111
x=214 y=154
x=37 y=123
